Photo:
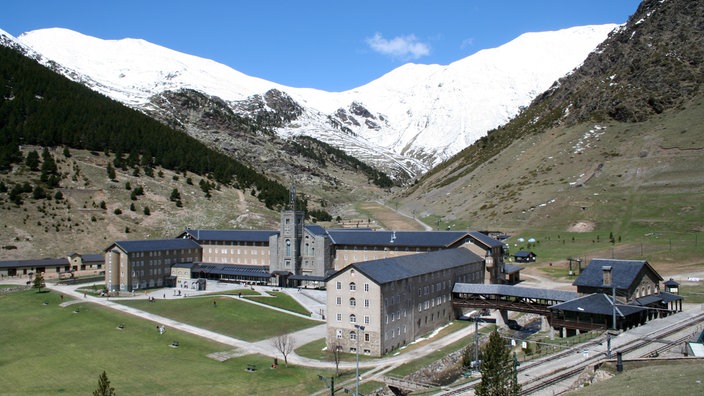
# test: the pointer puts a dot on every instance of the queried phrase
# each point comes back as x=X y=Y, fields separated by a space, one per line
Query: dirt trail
x=390 y=219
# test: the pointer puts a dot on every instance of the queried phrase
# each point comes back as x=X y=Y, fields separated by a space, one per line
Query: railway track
x=629 y=347
x=539 y=380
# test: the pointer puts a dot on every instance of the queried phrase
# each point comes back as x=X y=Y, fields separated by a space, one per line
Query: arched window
x=353 y=335
x=353 y=302
x=353 y=286
x=288 y=247
x=353 y=318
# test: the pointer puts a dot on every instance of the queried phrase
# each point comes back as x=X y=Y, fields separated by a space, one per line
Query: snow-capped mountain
x=409 y=119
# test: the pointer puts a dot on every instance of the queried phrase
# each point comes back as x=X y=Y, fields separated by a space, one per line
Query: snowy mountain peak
x=406 y=121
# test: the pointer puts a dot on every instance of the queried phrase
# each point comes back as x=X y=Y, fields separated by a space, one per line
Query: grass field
x=230 y=317
x=674 y=378
x=281 y=300
x=47 y=349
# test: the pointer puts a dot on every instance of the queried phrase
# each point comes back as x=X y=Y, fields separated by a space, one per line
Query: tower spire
x=292 y=195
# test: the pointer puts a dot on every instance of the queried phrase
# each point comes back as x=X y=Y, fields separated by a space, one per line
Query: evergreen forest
x=39 y=107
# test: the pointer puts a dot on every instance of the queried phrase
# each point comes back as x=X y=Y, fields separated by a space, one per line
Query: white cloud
x=467 y=43
x=404 y=47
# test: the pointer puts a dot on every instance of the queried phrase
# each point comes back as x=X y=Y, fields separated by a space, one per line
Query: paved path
x=307 y=297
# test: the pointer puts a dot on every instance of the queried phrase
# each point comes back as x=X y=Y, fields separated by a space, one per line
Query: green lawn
x=281 y=300
x=692 y=293
x=673 y=378
x=47 y=349
x=230 y=316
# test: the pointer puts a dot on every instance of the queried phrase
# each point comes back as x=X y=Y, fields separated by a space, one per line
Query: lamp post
x=360 y=329
x=476 y=341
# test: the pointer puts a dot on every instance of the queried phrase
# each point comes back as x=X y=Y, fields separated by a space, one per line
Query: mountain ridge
x=614 y=145
x=404 y=114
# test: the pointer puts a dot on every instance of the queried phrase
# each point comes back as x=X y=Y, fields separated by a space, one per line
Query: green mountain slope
x=615 y=148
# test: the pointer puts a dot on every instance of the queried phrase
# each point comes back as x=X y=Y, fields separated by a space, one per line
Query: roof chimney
x=606 y=275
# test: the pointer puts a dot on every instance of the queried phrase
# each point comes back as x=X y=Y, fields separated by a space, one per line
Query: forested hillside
x=39 y=107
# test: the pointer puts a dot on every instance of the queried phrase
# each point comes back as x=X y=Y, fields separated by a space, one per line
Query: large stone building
x=294 y=255
x=132 y=265
x=405 y=278
x=382 y=305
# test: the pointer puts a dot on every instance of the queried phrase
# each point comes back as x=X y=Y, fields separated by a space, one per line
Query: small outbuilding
x=523 y=256
x=671 y=286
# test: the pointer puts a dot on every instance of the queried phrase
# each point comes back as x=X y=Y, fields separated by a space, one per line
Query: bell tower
x=290 y=235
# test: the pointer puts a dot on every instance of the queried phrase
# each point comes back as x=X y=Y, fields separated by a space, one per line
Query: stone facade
x=132 y=265
x=396 y=300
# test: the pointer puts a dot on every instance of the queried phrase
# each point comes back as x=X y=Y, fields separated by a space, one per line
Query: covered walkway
x=510 y=298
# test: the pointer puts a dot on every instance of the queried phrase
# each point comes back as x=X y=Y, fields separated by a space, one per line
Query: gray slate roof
x=33 y=263
x=87 y=258
x=230 y=235
x=515 y=291
x=623 y=272
x=598 y=303
x=662 y=297
x=155 y=245
x=510 y=268
x=486 y=239
x=392 y=269
x=92 y=258
x=430 y=239
x=316 y=230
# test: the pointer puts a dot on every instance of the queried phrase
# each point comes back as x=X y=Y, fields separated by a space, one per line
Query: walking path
x=314 y=300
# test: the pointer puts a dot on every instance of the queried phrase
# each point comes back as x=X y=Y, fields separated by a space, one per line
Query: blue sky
x=332 y=45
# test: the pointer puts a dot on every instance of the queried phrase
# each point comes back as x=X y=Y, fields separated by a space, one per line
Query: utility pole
x=360 y=329
x=613 y=303
x=476 y=340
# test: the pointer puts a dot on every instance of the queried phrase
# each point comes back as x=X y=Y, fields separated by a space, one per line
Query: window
x=338 y=285
x=366 y=303
x=353 y=302
x=353 y=335
x=339 y=301
x=366 y=319
x=366 y=287
x=338 y=334
x=288 y=247
x=367 y=337
x=339 y=317
x=353 y=318
x=353 y=286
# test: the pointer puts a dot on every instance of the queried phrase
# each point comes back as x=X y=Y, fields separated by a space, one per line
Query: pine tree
x=104 y=388
x=32 y=160
x=499 y=375
x=111 y=172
